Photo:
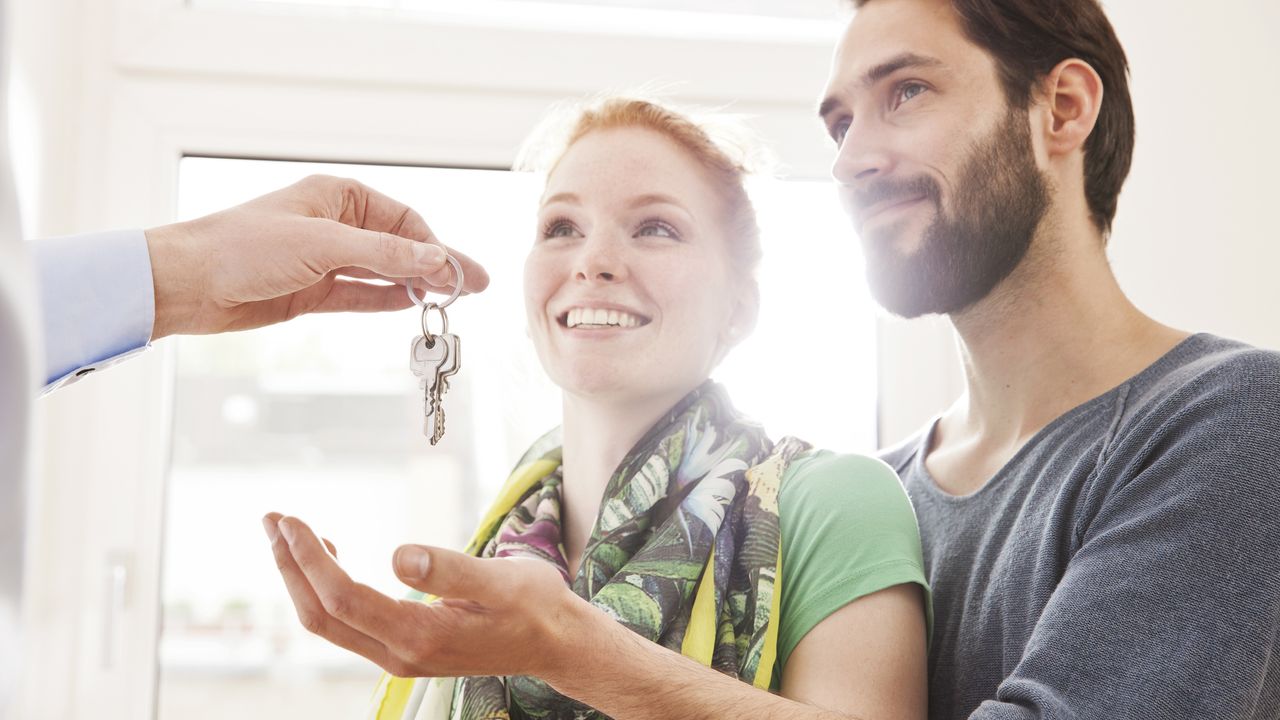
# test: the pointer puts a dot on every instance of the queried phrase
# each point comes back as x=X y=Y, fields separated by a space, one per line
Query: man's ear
x=1072 y=95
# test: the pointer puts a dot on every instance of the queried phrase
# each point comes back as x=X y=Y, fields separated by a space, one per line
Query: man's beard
x=1000 y=199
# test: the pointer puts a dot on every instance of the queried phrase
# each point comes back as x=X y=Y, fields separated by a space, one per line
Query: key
x=437 y=431
x=423 y=360
x=436 y=357
x=444 y=371
x=454 y=362
x=426 y=362
x=429 y=406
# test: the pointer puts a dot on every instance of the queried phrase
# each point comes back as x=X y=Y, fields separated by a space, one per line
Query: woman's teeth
x=596 y=317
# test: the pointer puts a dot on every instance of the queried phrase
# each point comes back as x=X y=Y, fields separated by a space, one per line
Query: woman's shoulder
x=821 y=479
x=848 y=530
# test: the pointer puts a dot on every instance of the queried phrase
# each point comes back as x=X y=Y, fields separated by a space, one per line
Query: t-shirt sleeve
x=848 y=530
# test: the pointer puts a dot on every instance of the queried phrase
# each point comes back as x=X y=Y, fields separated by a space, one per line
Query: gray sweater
x=1126 y=562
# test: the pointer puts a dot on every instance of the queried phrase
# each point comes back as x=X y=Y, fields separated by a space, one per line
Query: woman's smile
x=595 y=318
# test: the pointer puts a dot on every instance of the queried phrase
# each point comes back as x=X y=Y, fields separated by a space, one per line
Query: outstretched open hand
x=503 y=616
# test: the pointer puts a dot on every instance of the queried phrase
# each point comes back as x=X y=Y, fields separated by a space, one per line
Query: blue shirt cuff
x=98 y=301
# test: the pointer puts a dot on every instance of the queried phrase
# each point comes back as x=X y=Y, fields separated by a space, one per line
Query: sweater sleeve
x=1170 y=606
x=848 y=530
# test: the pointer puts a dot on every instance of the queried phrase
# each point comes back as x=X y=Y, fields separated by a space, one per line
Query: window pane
x=320 y=418
x=814 y=9
x=818 y=20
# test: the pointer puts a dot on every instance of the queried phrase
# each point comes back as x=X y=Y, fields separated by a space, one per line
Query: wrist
x=177 y=297
x=579 y=633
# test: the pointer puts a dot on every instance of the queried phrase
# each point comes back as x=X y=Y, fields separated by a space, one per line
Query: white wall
x=1195 y=240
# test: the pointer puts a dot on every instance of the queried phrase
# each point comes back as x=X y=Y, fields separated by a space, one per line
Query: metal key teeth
x=439 y=429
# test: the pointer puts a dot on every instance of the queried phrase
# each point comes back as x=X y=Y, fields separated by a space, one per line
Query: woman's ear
x=742 y=319
x=747 y=312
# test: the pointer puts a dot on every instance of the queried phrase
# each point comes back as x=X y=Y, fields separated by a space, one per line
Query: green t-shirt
x=848 y=530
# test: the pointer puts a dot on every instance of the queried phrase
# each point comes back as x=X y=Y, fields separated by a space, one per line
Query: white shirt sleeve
x=97 y=300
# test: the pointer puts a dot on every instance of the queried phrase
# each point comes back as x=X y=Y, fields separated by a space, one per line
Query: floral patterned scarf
x=685 y=552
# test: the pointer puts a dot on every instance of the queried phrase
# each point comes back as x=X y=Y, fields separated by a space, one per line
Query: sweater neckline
x=918 y=456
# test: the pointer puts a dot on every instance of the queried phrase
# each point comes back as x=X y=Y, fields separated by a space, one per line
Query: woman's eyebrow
x=654 y=199
x=564 y=197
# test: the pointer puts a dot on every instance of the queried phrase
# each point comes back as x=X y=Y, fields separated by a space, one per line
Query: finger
x=362 y=274
x=364 y=207
x=475 y=278
x=358 y=606
x=333 y=245
x=311 y=612
x=333 y=549
x=388 y=256
x=444 y=287
x=356 y=296
x=447 y=574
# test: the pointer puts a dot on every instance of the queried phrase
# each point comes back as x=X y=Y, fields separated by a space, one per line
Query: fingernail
x=273 y=532
x=428 y=254
x=412 y=561
x=287 y=531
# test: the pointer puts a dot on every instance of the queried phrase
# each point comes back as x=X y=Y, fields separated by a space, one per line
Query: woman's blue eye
x=558 y=228
x=657 y=228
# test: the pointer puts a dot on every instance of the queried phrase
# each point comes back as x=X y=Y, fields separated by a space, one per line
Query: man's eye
x=908 y=91
x=838 y=131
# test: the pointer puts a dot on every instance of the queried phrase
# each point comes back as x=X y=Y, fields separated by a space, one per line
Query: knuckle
x=528 y=576
x=420 y=655
x=338 y=604
x=321 y=181
x=388 y=244
x=400 y=669
x=312 y=621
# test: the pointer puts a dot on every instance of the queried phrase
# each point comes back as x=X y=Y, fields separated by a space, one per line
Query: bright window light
x=320 y=418
x=764 y=19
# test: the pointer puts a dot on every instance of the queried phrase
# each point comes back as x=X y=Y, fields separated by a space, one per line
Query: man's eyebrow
x=882 y=71
x=893 y=65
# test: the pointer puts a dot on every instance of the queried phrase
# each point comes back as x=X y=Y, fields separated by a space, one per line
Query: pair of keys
x=435 y=357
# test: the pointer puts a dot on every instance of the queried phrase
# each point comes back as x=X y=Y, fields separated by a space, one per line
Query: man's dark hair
x=1027 y=39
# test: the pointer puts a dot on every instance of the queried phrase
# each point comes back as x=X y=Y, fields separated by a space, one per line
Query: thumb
x=383 y=253
x=445 y=573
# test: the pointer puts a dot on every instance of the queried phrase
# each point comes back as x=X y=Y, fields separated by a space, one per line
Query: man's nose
x=862 y=156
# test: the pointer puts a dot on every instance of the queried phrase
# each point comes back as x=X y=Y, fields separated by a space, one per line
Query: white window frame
x=128 y=87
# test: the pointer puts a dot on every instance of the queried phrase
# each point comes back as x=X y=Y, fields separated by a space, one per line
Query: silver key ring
x=444 y=323
x=457 y=288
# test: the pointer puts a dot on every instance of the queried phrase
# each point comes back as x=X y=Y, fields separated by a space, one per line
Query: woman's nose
x=601 y=260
